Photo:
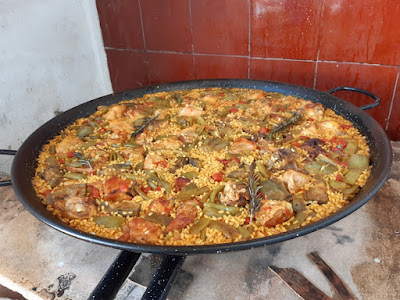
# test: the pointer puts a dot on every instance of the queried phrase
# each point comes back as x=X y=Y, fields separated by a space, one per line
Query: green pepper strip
x=233 y=210
x=215 y=192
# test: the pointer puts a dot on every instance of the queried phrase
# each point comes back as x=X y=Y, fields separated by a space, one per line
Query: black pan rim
x=367 y=125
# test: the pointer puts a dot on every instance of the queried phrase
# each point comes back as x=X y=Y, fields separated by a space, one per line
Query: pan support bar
x=120 y=269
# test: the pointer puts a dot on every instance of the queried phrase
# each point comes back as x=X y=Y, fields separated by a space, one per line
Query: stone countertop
x=363 y=249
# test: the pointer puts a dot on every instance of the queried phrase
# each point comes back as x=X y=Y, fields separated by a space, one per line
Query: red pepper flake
x=310 y=119
x=234 y=110
x=158 y=188
x=71 y=154
x=339 y=177
x=246 y=221
x=344 y=126
x=145 y=189
x=217 y=177
x=101 y=130
x=162 y=163
x=60 y=161
x=263 y=130
x=222 y=94
x=234 y=158
x=296 y=144
x=46 y=192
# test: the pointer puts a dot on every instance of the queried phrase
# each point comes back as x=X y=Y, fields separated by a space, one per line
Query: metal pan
x=24 y=164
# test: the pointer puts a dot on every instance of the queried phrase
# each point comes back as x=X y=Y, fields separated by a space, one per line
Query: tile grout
x=249 y=45
x=254 y=57
x=392 y=101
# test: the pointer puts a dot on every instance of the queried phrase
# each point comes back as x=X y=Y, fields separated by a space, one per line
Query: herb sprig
x=255 y=195
x=141 y=128
x=84 y=161
x=290 y=121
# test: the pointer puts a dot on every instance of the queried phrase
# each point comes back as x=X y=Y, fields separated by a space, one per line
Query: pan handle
x=352 y=89
x=6 y=152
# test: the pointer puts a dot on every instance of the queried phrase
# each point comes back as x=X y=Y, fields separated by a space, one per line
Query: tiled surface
x=394 y=121
x=166 y=25
x=207 y=66
x=220 y=27
x=295 y=72
x=285 y=29
x=293 y=41
x=361 y=31
x=128 y=69
x=331 y=75
x=121 y=23
x=167 y=67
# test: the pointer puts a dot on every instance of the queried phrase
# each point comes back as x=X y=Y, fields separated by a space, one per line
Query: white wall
x=51 y=59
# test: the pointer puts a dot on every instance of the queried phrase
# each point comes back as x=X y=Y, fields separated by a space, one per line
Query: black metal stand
x=115 y=276
x=164 y=278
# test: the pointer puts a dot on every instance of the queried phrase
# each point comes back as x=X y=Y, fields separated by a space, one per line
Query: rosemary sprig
x=141 y=128
x=84 y=161
x=292 y=120
x=255 y=195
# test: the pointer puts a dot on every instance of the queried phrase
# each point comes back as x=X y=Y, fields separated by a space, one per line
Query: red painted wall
x=315 y=43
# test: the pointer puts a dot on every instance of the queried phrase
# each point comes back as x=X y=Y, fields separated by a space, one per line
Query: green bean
x=159 y=219
x=200 y=120
x=133 y=176
x=52 y=149
x=233 y=210
x=199 y=225
x=215 y=192
x=229 y=231
x=139 y=166
x=263 y=170
x=88 y=144
x=160 y=181
x=190 y=175
x=76 y=176
x=244 y=232
x=138 y=191
x=84 y=131
x=109 y=221
x=186 y=195
x=203 y=235
x=75 y=164
x=212 y=212
x=352 y=176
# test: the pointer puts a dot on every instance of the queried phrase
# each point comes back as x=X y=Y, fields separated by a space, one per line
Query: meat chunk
x=185 y=215
x=242 y=145
x=52 y=175
x=68 y=144
x=233 y=194
x=115 y=112
x=132 y=154
x=66 y=192
x=168 y=143
x=272 y=213
x=313 y=147
x=317 y=192
x=115 y=189
x=190 y=111
x=189 y=134
x=161 y=206
x=76 y=208
x=314 y=111
x=295 y=180
x=152 y=159
x=141 y=231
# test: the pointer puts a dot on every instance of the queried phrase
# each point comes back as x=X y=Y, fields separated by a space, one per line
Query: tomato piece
x=71 y=154
x=158 y=188
x=233 y=110
x=296 y=144
x=310 y=119
x=344 y=126
x=145 y=189
x=60 y=161
x=263 y=130
x=161 y=163
x=339 y=177
x=217 y=177
x=101 y=130
x=46 y=192
x=222 y=94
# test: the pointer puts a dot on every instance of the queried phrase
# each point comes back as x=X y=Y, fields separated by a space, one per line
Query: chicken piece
x=295 y=180
x=314 y=111
x=189 y=134
x=68 y=144
x=190 y=111
x=233 y=194
x=265 y=146
x=66 y=192
x=141 y=231
x=121 y=126
x=310 y=131
x=161 y=206
x=332 y=127
x=185 y=215
x=151 y=160
x=132 y=154
x=136 y=113
x=76 y=208
x=210 y=99
x=115 y=112
x=242 y=145
x=255 y=95
x=317 y=192
x=167 y=143
x=115 y=189
x=100 y=158
x=272 y=213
